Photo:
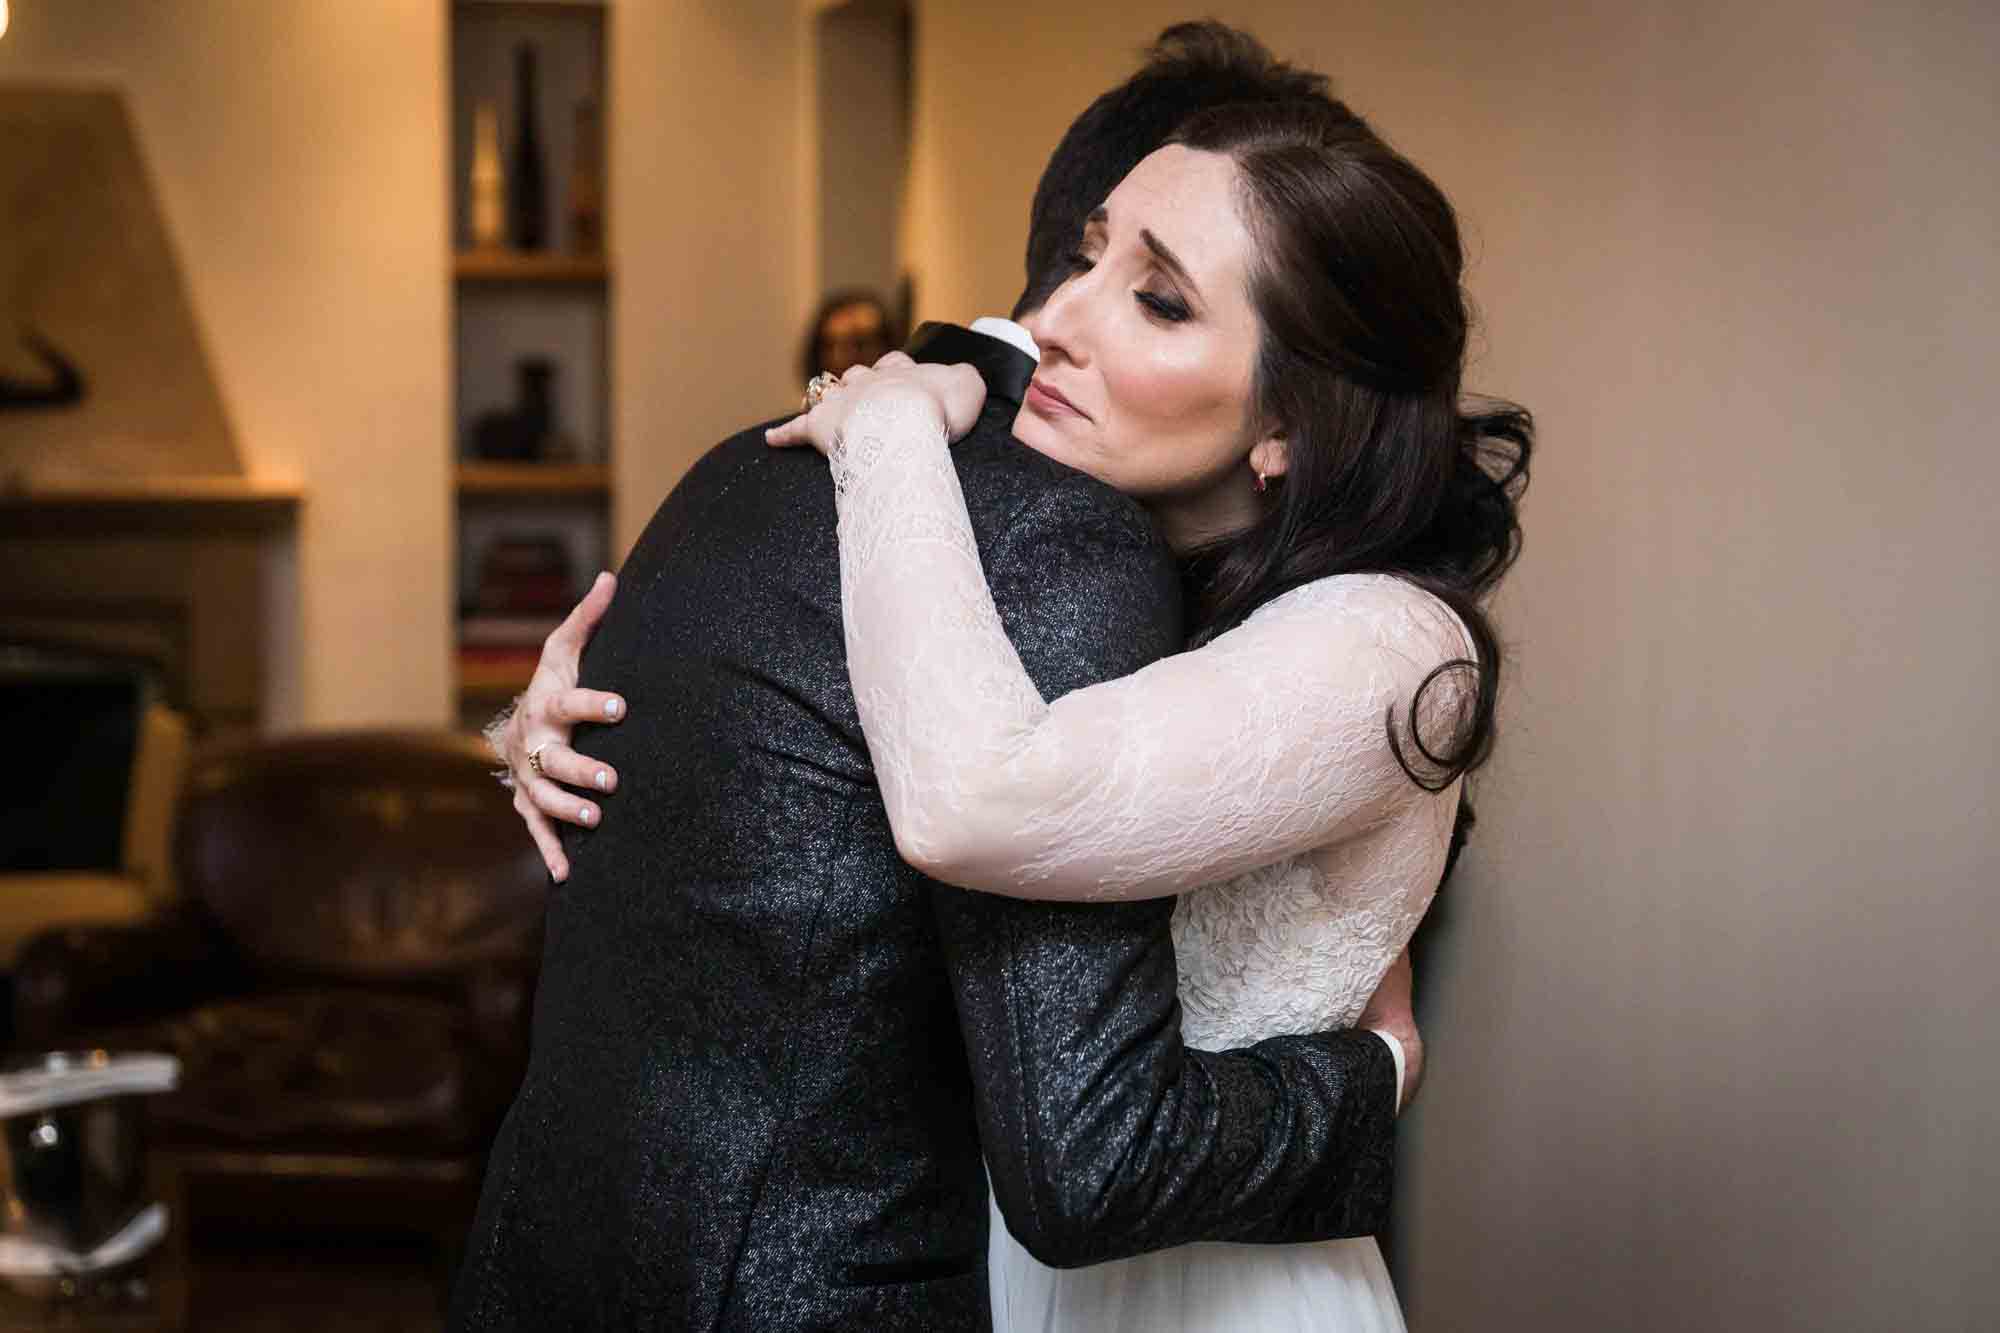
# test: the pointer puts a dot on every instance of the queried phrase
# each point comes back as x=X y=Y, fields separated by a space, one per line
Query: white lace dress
x=1251 y=776
x=1286 y=949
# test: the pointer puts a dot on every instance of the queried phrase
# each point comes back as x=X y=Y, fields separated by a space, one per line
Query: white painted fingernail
x=613 y=707
x=586 y=814
x=603 y=780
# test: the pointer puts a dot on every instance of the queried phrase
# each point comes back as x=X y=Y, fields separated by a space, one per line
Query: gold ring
x=817 y=386
x=535 y=759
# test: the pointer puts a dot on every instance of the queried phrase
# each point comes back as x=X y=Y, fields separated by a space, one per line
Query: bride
x=1262 y=337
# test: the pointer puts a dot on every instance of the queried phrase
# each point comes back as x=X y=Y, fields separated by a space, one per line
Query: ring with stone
x=817 y=386
x=535 y=760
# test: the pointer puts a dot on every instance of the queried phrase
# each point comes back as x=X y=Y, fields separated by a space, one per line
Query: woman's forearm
x=944 y=700
x=1267 y=742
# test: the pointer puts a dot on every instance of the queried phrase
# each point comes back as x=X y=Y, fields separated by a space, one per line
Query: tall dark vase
x=527 y=199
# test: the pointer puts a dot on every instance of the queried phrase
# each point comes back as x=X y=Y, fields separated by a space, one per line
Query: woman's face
x=851 y=335
x=1148 y=351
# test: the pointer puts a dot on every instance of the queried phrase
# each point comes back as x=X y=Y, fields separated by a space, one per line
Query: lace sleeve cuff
x=877 y=430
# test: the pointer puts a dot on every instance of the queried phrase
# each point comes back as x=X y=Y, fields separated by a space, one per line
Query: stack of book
x=526 y=586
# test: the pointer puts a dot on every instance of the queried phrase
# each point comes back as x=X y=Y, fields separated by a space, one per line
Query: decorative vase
x=489 y=180
x=528 y=198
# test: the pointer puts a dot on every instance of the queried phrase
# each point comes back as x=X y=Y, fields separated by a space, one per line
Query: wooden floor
x=315 y=1284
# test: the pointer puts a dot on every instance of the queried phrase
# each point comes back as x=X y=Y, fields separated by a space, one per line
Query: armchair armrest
x=159 y=772
x=72 y=980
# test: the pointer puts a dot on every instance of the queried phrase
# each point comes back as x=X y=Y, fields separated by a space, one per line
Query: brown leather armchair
x=346 y=977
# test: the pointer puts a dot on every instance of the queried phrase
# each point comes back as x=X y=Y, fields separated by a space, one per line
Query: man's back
x=748 y=1077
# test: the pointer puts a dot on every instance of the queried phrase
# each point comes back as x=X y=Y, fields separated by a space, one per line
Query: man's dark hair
x=1190 y=68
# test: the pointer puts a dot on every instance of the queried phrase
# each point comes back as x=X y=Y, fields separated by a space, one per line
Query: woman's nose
x=1057 y=326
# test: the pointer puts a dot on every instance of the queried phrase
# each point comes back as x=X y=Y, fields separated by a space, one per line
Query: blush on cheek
x=1180 y=404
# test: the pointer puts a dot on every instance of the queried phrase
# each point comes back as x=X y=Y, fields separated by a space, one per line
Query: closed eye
x=1164 y=307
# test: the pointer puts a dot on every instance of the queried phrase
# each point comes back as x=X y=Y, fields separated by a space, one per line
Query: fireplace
x=127 y=523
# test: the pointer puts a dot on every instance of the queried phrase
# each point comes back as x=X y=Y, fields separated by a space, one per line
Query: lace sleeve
x=1265 y=743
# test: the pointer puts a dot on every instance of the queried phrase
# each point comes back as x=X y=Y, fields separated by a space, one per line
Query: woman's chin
x=1030 y=429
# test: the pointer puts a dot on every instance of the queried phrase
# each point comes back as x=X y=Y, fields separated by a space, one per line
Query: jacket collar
x=1005 y=368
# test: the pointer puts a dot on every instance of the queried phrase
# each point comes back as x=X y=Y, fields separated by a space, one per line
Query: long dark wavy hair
x=1357 y=282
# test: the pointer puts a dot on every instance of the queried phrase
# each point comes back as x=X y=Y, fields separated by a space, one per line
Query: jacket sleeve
x=1104 y=1135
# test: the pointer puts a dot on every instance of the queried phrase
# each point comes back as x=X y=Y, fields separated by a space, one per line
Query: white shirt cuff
x=1396 y=1052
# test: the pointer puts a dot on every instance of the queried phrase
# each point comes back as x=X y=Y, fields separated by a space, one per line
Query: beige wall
x=862 y=147
x=712 y=231
x=1711 y=1012
x=297 y=150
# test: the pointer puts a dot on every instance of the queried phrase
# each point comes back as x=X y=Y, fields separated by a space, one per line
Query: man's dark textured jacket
x=767 y=1053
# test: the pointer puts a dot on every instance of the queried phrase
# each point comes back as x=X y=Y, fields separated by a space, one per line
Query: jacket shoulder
x=1085 y=588
x=1009 y=486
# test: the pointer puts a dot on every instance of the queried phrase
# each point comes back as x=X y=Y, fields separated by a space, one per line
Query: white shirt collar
x=1007 y=331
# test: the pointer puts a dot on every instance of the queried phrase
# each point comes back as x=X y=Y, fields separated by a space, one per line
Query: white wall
x=298 y=150
x=1710 y=1014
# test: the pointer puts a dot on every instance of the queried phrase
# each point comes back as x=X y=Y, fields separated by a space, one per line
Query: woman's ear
x=1269 y=456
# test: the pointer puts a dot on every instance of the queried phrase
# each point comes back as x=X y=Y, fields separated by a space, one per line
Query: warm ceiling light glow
x=3 y=18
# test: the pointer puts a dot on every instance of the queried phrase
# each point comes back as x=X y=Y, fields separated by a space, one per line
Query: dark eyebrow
x=1172 y=262
x=1170 y=259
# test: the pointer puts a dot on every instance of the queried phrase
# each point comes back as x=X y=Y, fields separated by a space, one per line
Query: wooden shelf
x=530 y=268
x=491 y=689
x=164 y=506
x=586 y=9
x=497 y=671
x=534 y=481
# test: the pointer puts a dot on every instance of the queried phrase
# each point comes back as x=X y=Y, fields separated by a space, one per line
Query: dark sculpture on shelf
x=525 y=433
x=64 y=387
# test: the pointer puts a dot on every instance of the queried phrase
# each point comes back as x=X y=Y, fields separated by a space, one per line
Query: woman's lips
x=1049 y=401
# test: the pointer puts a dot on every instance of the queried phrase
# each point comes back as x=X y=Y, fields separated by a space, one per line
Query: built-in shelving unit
x=531 y=327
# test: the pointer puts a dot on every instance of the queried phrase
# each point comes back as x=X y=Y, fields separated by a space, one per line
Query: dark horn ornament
x=64 y=387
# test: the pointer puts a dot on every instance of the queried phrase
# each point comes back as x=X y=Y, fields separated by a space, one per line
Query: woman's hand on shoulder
x=950 y=396
x=535 y=733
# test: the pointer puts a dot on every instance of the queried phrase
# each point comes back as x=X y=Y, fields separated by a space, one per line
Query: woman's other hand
x=539 y=727
x=954 y=393
x=1389 y=1010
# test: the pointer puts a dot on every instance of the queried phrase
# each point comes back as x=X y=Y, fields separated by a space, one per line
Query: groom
x=772 y=1065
